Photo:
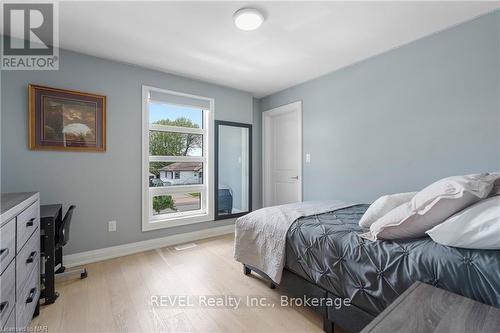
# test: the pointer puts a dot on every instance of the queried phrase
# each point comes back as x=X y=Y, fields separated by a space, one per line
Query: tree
x=163 y=202
x=170 y=143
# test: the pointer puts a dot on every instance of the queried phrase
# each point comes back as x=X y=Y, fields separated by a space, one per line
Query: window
x=176 y=150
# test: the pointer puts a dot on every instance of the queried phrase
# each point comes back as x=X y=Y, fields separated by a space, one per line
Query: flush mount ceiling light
x=248 y=19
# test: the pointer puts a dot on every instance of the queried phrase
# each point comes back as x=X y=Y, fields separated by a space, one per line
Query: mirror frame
x=216 y=169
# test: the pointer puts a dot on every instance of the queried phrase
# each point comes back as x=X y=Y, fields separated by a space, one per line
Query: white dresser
x=19 y=260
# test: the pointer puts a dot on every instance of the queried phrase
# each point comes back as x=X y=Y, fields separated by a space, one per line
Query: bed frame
x=351 y=318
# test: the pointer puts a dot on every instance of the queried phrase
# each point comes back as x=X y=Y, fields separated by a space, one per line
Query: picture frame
x=66 y=120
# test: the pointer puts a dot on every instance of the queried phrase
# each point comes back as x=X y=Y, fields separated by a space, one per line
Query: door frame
x=266 y=149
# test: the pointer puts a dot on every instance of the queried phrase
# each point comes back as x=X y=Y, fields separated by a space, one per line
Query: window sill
x=175 y=222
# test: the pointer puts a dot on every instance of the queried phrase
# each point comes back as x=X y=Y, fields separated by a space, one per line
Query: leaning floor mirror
x=233 y=169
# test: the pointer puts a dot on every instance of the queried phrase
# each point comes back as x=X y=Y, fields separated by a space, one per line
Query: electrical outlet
x=111 y=226
x=308 y=158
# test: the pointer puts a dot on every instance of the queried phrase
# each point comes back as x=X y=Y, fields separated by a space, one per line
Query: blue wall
x=397 y=121
x=104 y=186
x=257 y=155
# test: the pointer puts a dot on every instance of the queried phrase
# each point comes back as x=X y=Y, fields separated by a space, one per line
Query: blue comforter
x=326 y=250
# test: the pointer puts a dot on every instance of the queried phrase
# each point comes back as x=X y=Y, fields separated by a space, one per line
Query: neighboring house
x=184 y=173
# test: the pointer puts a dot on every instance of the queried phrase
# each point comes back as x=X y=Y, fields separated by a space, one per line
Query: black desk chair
x=62 y=238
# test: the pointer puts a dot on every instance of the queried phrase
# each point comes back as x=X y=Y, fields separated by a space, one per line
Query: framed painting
x=66 y=120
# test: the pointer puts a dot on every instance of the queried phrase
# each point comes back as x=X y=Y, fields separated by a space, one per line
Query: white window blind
x=180 y=99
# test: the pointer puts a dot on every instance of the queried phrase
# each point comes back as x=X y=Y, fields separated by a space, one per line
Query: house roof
x=183 y=166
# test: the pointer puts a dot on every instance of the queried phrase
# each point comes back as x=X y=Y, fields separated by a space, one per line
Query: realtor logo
x=31 y=38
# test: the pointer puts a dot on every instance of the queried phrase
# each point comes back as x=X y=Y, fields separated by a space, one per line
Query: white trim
x=87 y=257
x=208 y=172
x=176 y=129
x=266 y=116
x=176 y=221
x=162 y=190
x=145 y=162
x=205 y=214
x=159 y=158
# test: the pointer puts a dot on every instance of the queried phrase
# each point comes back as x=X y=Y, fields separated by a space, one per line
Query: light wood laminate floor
x=116 y=296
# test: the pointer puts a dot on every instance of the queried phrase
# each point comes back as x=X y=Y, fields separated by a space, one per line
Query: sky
x=172 y=112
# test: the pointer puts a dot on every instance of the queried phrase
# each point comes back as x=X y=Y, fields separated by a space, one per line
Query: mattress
x=326 y=250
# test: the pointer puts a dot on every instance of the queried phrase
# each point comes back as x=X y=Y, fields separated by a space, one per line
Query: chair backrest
x=64 y=227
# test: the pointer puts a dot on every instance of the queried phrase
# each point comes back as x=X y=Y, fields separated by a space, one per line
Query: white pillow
x=477 y=227
x=496 y=185
x=382 y=206
x=432 y=206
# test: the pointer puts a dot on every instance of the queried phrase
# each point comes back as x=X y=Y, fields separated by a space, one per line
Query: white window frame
x=206 y=213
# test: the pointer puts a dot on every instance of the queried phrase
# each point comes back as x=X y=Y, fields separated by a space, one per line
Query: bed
x=325 y=257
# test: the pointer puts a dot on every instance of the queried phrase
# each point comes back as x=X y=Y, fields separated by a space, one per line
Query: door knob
x=296 y=177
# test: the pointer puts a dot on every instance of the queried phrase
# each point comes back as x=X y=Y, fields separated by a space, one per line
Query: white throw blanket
x=260 y=236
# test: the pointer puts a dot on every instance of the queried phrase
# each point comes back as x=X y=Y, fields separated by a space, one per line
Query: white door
x=282 y=158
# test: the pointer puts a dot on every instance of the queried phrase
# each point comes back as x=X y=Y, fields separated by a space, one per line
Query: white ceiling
x=297 y=42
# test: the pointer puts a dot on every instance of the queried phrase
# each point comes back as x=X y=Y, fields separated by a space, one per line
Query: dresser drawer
x=7 y=244
x=10 y=324
x=7 y=293
x=27 y=299
x=27 y=259
x=27 y=222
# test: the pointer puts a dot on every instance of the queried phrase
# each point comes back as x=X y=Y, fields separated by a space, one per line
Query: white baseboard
x=88 y=257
